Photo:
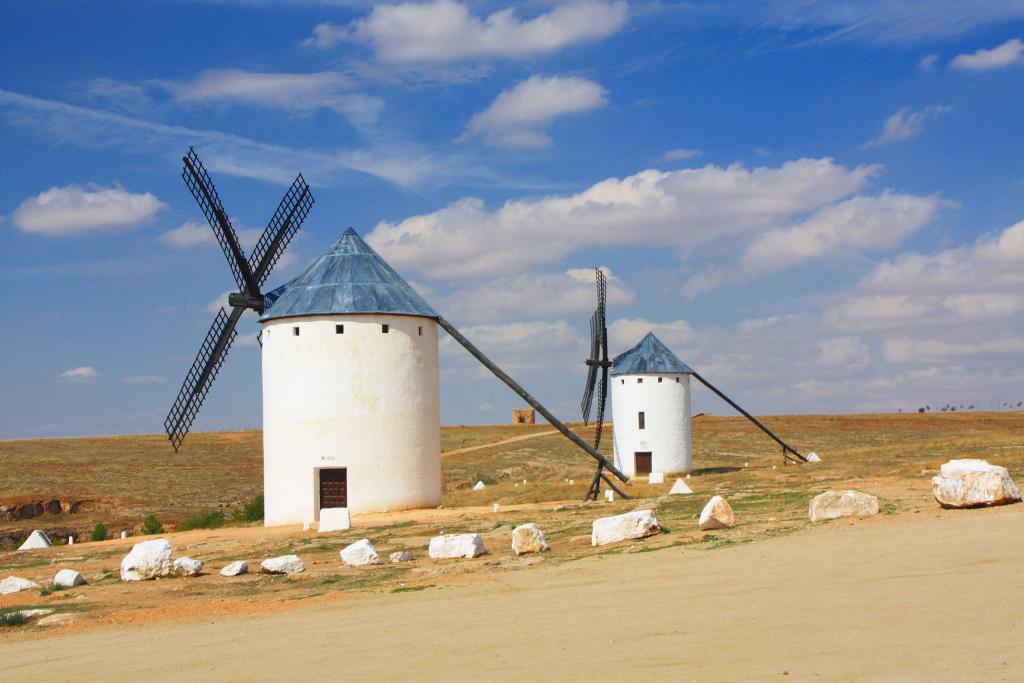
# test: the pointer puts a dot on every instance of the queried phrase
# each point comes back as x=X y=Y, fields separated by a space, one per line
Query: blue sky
x=818 y=205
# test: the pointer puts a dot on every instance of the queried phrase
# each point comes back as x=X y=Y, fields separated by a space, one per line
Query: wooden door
x=643 y=463
x=334 y=488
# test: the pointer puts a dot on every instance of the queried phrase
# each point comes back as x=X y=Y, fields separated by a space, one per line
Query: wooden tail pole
x=530 y=400
x=786 y=448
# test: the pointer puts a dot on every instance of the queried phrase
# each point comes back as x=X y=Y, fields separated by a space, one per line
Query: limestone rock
x=59 y=619
x=186 y=566
x=68 y=578
x=717 y=514
x=609 y=496
x=37 y=539
x=359 y=554
x=813 y=457
x=656 y=478
x=147 y=560
x=479 y=486
x=835 y=504
x=630 y=525
x=528 y=538
x=285 y=564
x=401 y=556
x=13 y=584
x=33 y=613
x=680 y=489
x=334 y=519
x=236 y=568
x=456 y=545
x=974 y=483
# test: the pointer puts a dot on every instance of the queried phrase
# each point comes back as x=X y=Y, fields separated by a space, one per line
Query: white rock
x=285 y=564
x=13 y=584
x=71 y=540
x=680 y=489
x=306 y=526
x=717 y=514
x=235 y=568
x=656 y=478
x=32 y=613
x=456 y=545
x=974 y=483
x=124 y=534
x=59 y=619
x=186 y=566
x=638 y=524
x=835 y=504
x=359 y=554
x=479 y=486
x=334 y=519
x=609 y=496
x=37 y=539
x=68 y=578
x=571 y=482
x=813 y=457
x=401 y=556
x=528 y=538
x=496 y=508
x=147 y=560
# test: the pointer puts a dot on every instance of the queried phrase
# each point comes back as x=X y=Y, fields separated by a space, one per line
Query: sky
x=819 y=206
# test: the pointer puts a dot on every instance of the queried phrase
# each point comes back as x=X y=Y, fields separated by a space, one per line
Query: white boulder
x=656 y=478
x=717 y=514
x=58 y=619
x=236 y=568
x=479 y=486
x=609 y=496
x=285 y=564
x=401 y=556
x=528 y=538
x=456 y=545
x=37 y=539
x=359 y=554
x=974 y=483
x=68 y=578
x=186 y=566
x=680 y=489
x=14 y=584
x=147 y=560
x=813 y=457
x=496 y=508
x=835 y=504
x=334 y=519
x=630 y=525
x=32 y=613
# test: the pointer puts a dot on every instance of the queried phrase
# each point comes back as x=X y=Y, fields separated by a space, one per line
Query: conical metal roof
x=349 y=278
x=649 y=356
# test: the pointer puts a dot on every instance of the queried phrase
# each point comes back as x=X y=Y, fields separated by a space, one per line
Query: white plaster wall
x=666 y=408
x=363 y=400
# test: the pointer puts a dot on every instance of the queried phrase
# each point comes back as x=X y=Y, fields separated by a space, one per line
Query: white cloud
x=445 y=30
x=928 y=62
x=518 y=115
x=289 y=91
x=81 y=374
x=1010 y=53
x=682 y=209
x=194 y=234
x=519 y=346
x=218 y=303
x=843 y=352
x=74 y=210
x=680 y=154
x=907 y=123
x=908 y=350
x=625 y=333
x=143 y=379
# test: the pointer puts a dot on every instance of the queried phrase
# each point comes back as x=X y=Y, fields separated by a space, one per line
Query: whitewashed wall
x=666 y=408
x=363 y=400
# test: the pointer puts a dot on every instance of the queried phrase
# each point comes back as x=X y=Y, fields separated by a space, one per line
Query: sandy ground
x=914 y=597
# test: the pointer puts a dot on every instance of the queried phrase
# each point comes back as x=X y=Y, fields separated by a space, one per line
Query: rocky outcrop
x=147 y=560
x=973 y=483
x=68 y=578
x=836 y=504
x=717 y=514
x=236 y=568
x=285 y=564
x=456 y=545
x=58 y=619
x=528 y=538
x=360 y=553
x=631 y=525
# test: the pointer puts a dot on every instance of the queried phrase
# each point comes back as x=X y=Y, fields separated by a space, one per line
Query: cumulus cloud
x=194 y=234
x=445 y=30
x=680 y=209
x=518 y=115
x=680 y=154
x=928 y=62
x=843 y=352
x=908 y=350
x=74 y=210
x=82 y=374
x=519 y=346
x=289 y=91
x=1010 y=53
x=907 y=123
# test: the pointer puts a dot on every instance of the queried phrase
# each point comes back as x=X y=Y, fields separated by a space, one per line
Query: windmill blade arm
x=200 y=376
x=286 y=221
x=201 y=186
x=602 y=397
x=588 y=393
x=530 y=400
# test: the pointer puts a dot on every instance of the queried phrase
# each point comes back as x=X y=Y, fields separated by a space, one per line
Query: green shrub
x=99 y=532
x=15 y=618
x=151 y=525
x=253 y=510
x=208 y=520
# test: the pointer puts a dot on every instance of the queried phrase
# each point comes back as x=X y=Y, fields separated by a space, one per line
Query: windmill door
x=643 y=462
x=334 y=488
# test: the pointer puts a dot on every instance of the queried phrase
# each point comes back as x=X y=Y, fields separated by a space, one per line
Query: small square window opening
x=339 y=329
x=385 y=328
x=295 y=331
x=641 y=420
x=421 y=330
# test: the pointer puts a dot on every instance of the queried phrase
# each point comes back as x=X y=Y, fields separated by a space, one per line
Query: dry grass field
x=121 y=479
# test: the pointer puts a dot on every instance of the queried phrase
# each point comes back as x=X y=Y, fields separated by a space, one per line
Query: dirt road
x=933 y=597
x=514 y=439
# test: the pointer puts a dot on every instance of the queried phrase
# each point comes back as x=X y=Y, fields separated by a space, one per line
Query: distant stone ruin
x=524 y=416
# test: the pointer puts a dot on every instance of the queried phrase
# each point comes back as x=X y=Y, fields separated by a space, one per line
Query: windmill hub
x=245 y=300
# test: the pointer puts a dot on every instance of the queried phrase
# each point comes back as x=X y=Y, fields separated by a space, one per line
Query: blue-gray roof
x=349 y=278
x=649 y=356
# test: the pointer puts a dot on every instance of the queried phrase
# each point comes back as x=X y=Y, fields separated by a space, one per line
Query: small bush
x=151 y=525
x=99 y=532
x=209 y=520
x=12 y=618
x=253 y=510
